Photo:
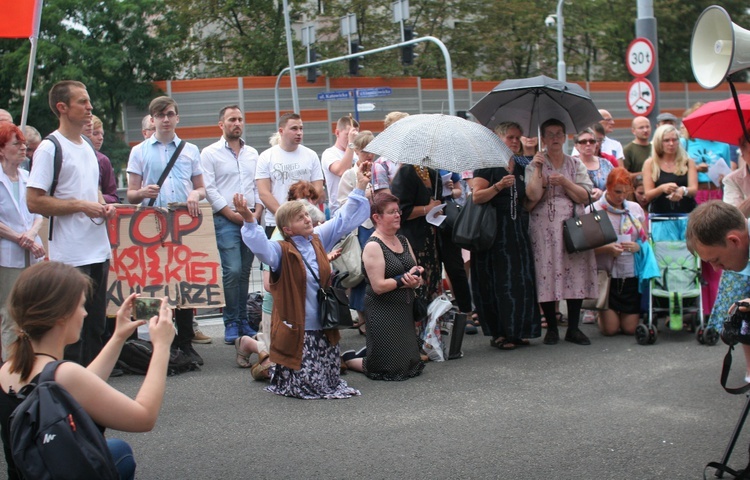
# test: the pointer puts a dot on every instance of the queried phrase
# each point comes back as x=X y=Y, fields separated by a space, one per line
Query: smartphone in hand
x=145 y=308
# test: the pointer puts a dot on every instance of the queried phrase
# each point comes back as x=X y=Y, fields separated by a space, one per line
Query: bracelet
x=424 y=210
x=399 y=281
x=495 y=185
x=684 y=191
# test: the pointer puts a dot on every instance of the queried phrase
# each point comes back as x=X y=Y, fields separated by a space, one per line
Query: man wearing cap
x=666 y=118
x=637 y=151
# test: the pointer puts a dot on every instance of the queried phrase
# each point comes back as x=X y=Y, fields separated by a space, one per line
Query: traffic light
x=407 y=52
x=354 y=66
x=312 y=72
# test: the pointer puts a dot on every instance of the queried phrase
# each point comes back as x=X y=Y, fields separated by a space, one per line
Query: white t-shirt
x=76 y=239
x=329 y=156
x=285 y=169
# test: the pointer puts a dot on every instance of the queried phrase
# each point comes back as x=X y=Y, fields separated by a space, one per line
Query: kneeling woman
x=306 y=357
x=618 y=258
x=47 y=302
x=392 y=275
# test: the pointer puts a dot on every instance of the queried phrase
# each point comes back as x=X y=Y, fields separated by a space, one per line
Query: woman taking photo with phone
x=47 y=303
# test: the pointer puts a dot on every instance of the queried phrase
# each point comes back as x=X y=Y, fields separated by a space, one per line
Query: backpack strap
x=56 y=167
x=168 y=168
x=48 y=372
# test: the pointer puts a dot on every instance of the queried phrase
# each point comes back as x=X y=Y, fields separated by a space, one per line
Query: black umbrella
x=531 y=101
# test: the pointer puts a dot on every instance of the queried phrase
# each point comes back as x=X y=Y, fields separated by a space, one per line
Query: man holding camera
x=719 y=233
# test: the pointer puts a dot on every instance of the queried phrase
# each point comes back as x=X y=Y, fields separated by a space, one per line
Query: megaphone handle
x=739 y=109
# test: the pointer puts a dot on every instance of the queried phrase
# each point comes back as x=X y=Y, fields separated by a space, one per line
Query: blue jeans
x=236 y=262
x=122 y=454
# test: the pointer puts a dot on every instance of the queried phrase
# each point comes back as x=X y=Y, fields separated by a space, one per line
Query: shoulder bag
x=168 y=169
x=588 y=231
x=476 y=226
x=333 y=305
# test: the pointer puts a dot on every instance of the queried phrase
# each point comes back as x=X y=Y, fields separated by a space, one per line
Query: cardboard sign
x=161 y=252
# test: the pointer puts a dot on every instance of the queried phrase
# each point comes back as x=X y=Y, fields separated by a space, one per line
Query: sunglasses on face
x=589 y=142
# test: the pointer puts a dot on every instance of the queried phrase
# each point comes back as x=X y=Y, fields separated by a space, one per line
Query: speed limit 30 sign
x=640 y=57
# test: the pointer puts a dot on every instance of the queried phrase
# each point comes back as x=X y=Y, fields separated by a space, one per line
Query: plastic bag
x=433 y=344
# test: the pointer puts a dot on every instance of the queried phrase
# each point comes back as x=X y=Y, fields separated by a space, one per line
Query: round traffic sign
x=640 y=57
x=640 y=97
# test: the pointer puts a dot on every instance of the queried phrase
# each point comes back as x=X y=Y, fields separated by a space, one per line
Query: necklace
x=393 y=240
x=424 y=174
x=40 y=354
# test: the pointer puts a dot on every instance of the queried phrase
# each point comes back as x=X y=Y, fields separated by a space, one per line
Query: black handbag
x=333 y=304
x=476 y=226
x=451 y=211
x=420 y=305
x=588 y=231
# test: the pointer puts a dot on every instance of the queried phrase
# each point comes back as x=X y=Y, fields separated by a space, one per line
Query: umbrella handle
x=739 y=109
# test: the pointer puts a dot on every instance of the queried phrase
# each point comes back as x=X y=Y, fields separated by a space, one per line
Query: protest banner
x=161 y=252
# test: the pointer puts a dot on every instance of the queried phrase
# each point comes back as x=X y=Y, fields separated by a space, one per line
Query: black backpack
x=135 y=357
x=52 y=437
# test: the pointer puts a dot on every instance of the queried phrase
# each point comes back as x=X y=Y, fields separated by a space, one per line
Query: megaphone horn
x=718 y=48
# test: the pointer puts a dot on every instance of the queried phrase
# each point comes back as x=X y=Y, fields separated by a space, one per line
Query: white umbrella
x=441 y=142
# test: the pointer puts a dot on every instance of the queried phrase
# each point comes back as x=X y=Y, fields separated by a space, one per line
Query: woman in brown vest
x=306 y=357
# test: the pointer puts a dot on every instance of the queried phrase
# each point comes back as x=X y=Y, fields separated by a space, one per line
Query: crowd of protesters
x=266 y=206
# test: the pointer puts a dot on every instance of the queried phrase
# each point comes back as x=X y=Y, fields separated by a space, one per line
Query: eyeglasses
x=554 y=135
x=590 y=142
x=151 y=129
x=609 y=119
x=169 y=115
x=670 y=140
x=393 y=212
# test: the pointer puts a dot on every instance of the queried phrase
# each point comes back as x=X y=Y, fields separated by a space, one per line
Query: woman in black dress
x=392 y=274
x=415 y=189
x=505 y=272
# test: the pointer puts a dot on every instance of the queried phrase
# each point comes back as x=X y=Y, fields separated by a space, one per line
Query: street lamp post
x=560 y=55
x=290 y=54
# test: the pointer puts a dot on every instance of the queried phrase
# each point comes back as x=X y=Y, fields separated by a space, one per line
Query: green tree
x=116 y=47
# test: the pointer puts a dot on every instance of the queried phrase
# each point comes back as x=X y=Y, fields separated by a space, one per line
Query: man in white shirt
x=283 y=165
x=229 y=168
x=77 y=211
x=339 y=158
x=183 y=184
x=610 y=145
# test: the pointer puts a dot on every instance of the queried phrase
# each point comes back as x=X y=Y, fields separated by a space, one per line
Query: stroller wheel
x=651 y=335
x=710 y=336
x=699 y=336
x=642 y=334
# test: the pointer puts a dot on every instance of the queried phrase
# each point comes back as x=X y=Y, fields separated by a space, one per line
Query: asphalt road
x=612 y=410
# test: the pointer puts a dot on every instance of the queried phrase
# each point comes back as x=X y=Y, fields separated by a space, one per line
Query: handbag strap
x=307 y=264
x=168 y=169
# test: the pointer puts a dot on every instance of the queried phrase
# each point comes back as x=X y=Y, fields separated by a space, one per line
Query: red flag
x=17 y=19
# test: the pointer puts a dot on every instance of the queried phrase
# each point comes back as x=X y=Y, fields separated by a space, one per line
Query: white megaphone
x=718 y=47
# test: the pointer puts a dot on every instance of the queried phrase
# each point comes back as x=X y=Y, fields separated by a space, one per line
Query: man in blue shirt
x=183 y=184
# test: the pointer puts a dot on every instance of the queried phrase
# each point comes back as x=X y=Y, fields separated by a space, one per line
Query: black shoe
x=116 y=372
x=190 y=352
x=552 y=337
x=576 y=336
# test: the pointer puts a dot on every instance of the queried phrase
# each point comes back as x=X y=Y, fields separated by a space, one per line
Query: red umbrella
x=718 y=121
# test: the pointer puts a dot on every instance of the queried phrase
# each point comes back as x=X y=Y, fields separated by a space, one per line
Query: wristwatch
x=684 y=191
x=350 y=146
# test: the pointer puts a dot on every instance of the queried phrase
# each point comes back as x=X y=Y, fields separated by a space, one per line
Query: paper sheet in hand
x=446 y=178
x=718 y=169
x=435 y=215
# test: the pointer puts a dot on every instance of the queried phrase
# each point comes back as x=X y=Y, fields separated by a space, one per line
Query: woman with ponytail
x=47 y=303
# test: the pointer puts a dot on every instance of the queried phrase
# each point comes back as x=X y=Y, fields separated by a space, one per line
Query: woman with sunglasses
x=598 y=167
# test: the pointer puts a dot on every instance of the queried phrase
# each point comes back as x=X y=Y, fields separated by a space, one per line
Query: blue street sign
x=374 y=92
x=337 y=95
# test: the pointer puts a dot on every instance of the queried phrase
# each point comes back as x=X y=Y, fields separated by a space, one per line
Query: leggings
x=574 y=312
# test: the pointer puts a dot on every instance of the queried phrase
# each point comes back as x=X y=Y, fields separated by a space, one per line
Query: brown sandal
x=259 y=371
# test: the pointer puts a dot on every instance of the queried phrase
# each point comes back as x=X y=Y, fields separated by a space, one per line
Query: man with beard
x=229 y=168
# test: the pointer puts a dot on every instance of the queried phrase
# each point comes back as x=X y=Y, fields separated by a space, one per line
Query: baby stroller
x=678 y=290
